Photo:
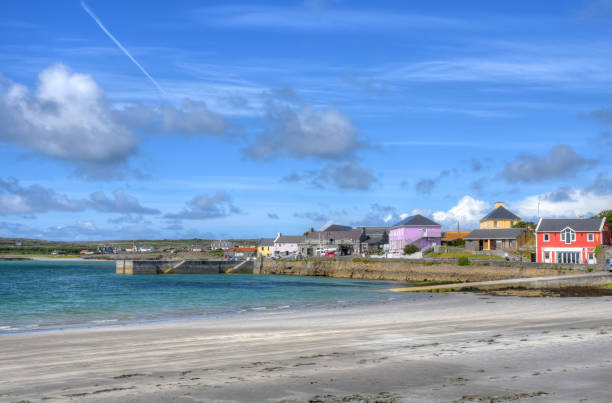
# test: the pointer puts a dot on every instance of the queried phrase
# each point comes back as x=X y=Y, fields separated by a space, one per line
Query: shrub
x=463 y=261
x=410 y=249
x=356 y=260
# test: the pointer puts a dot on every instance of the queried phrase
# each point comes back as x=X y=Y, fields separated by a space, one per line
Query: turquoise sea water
x=36 y=295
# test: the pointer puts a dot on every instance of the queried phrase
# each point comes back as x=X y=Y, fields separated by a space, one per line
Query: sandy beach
x=453 y=347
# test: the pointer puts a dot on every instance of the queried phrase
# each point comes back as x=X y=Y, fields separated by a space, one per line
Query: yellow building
x=265 y=246
x=499 y=218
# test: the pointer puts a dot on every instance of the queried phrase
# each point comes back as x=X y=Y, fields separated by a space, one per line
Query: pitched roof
x=577 y=224
x=266 y=242
x=501 y=213
x=416 y=220
x=375 y=231
x=504 y=233
x=352 y=234
x=338 y=227
x=290 y=239
x=452 y=235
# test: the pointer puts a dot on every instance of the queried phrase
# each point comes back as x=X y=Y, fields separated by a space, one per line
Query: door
x=547 y=257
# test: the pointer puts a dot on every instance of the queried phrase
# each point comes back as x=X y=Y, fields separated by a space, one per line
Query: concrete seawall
x=209 y=266
x=403 y=271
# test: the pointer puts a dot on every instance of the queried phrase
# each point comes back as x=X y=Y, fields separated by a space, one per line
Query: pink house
x=415 y=230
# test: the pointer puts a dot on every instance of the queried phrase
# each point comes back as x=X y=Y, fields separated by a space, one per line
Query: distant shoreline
x=52 y=259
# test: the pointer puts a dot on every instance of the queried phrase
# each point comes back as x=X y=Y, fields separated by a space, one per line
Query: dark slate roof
x=577 y=224
x=266 y=242
x=505 y=233
x=501 y=213
x=352 y=234
x=375 y=231
x=417 y=220
x=290 y=239
x=338 y=227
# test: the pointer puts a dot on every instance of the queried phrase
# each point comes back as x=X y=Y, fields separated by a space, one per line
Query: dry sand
x=455 y=347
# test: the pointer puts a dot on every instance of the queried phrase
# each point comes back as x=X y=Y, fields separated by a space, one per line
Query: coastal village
x=501 y=234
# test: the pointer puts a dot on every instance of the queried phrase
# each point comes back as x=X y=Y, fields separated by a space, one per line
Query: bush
x=356 y=260
x=410 y=249
x=457 y=243
x=463 y=261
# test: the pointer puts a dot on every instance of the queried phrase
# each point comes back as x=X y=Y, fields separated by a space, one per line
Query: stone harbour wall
x=403 y=271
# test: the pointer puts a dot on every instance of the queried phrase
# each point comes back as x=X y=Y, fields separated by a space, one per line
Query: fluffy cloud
x=468 y=212
x=568 y=202
x=560 y=162
x=191 y=118
x=307 y=132
x=204 y=207
x=120 y=203
x=67 y=118
x=344 y=175
x=17 y=199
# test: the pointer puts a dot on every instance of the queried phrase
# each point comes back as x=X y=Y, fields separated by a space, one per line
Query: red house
x=570 y=240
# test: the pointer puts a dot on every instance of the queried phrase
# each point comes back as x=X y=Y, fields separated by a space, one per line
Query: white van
x=609 y=263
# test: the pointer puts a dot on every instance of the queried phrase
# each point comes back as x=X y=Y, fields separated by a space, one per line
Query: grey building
x=221 y=244
x=342 y=242
x=376 y=237
x=497 y=239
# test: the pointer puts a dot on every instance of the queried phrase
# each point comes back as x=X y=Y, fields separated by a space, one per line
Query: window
x=591 y=237
x=568 y=236
x=591 y=255
x=494 y=224
x=546 y=237
x=546 y=255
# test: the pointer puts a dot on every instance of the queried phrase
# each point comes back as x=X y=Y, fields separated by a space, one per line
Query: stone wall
x=402 y=271
x=208 y=266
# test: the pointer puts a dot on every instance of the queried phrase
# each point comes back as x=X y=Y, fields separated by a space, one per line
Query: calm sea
x=37 y=295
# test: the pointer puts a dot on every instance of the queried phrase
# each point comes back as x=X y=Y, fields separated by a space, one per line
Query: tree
x=410 y=249
x=605 y=214
x=524 y=224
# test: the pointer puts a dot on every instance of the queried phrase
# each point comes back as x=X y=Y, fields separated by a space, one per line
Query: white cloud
x=204 y=207
x=191 y=118
x=579 y=203
x=67 y=118
x=307 y=132
x=468 y=212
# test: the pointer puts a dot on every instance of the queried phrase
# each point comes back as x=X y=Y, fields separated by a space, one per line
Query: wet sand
x=452 y=347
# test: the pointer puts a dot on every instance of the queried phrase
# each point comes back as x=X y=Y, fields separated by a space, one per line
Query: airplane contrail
x=97 y=20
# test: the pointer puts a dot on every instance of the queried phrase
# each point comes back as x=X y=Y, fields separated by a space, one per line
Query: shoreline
x=455 y=347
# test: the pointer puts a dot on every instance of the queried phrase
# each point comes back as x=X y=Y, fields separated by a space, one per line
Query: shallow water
x=41 y=295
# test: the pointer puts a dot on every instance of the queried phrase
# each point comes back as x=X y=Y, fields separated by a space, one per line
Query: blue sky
x=251 y=118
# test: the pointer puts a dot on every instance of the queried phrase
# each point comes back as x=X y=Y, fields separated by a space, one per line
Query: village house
x=498 y=239
x=499 y=218
x=221 y=244
x=342 y=243
x=287 y=245
x=570 y=240
x=265 y=247
x=415 y=230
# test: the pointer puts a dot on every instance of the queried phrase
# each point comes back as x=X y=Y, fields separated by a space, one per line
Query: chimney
x=499 y=204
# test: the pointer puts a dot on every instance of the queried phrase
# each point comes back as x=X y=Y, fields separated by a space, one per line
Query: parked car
x=609 y=264
x=330 y=254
